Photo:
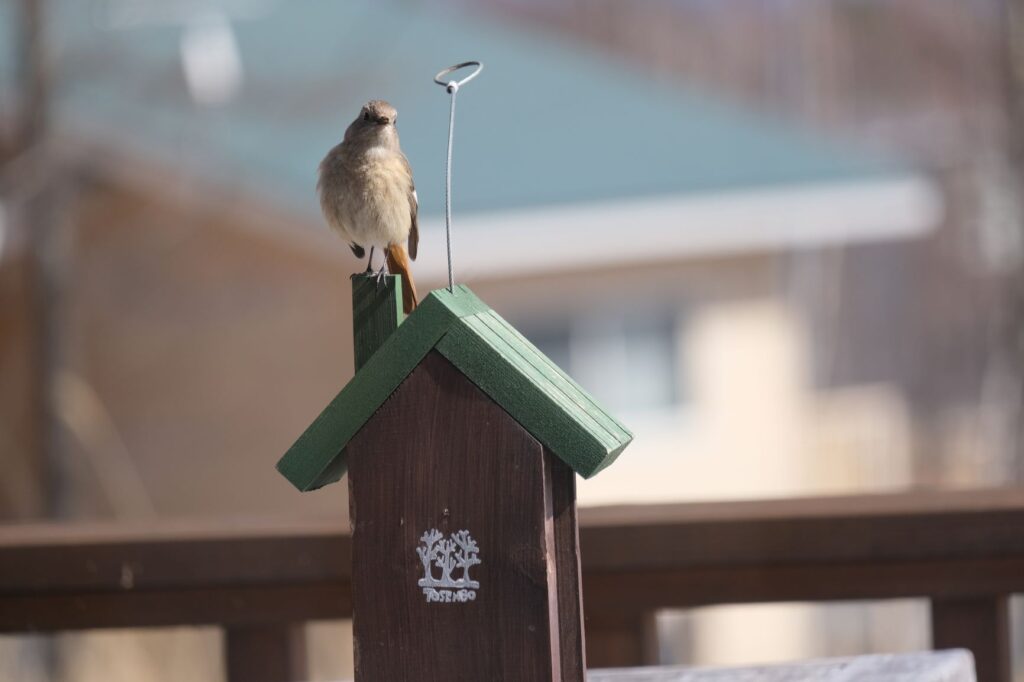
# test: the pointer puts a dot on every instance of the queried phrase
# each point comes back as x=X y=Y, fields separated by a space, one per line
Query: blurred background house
x=780 y=239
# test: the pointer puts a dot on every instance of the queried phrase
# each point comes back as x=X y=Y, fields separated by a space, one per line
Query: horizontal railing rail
x=963 y=550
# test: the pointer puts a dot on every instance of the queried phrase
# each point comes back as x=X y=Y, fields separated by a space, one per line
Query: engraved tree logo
x=458 y=551
x=465 y=557
x=445 y=561
x=428 y=552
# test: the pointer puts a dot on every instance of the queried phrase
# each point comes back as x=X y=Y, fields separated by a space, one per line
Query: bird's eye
x=366 y=115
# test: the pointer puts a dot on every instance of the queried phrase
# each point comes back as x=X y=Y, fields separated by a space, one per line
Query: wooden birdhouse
x=461 y=441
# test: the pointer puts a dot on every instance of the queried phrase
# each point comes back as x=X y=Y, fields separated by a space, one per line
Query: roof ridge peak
x=497 y=359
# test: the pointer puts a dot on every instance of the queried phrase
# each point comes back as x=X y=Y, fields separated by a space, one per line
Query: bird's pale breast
x=366 y=196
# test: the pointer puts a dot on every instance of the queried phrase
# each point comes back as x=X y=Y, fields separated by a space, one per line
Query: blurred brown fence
x=962 y=550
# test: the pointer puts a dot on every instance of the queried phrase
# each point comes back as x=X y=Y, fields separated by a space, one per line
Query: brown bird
x=368 y=196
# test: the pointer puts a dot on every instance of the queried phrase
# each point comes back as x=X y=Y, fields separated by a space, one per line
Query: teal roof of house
x=552 y=407
x=548 y=122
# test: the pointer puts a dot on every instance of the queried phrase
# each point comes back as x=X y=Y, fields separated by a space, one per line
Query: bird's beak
x=383 y=120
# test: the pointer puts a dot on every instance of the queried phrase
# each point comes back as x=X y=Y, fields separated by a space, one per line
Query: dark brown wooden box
x=462 y=442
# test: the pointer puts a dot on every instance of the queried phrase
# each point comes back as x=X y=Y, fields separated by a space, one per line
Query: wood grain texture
x=317 y=457
x=980 y=625
x=494 y=356
x=376 y=313
x=567 y=563
x=440 y=454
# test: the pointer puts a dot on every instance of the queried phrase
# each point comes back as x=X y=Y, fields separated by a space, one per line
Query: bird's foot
x=382 y=275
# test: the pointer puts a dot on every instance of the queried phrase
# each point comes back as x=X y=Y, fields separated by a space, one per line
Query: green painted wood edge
x=533 y=361
x=560 y=377
x=541 y=378
x=317 y=458
x=461 y=301
x=492 y=354
x=541 y=409
x=376 y=313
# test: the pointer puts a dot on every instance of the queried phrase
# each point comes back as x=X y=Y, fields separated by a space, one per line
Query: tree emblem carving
x=459 y=551
x=466 y=556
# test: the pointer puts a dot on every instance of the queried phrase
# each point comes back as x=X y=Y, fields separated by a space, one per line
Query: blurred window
x=628 y=360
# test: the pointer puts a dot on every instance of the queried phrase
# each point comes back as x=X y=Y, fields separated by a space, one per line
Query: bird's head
x=375 y=125
x=378 y=112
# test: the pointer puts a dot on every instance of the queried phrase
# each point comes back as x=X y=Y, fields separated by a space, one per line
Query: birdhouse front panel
x=453 y=537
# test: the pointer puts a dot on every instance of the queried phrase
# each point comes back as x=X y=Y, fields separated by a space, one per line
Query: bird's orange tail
x=398 y=264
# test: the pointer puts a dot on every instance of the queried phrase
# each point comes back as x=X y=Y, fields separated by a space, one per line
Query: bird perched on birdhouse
x=368 y=196
x=461 y=441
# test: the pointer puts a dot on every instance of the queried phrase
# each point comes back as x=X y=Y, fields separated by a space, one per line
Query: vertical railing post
x=265 y=653
x=981 y=624
x=622 y=640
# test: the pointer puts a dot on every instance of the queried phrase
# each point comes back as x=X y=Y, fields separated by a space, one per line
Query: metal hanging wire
x=452 y=88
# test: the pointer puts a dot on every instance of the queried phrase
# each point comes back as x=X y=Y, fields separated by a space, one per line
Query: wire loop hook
x=452 y=88
x=452 y=85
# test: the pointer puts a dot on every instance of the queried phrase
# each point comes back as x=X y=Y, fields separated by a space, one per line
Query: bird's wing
x=414 y=231
x=414 y=209
x=327 y=186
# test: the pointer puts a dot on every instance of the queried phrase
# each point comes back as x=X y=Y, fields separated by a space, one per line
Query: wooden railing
x=962 y=550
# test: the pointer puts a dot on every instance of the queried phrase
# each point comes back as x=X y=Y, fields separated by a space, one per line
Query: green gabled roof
x=495 y=357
